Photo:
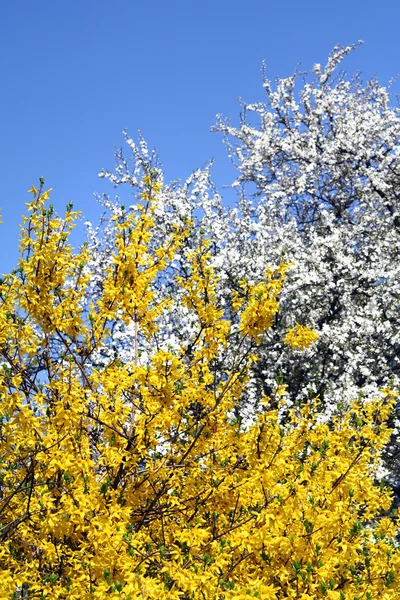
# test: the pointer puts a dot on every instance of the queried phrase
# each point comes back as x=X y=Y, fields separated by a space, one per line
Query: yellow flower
x=33 y=190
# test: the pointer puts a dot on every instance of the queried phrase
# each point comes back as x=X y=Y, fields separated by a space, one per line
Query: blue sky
x=75 y=74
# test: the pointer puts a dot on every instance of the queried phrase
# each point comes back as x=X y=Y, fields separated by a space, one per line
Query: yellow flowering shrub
x=133 y=480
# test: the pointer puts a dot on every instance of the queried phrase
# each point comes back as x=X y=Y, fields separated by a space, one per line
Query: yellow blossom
x=300 y=337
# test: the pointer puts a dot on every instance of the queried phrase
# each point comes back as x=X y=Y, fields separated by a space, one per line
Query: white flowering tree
x=319 y=186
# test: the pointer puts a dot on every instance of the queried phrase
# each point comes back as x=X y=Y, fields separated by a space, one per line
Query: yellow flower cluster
x=130 y=481
x=300 y=337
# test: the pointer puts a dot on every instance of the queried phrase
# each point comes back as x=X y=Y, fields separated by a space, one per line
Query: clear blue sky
x=75 y=73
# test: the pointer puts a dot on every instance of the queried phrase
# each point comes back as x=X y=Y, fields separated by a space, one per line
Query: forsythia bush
x=134 y=480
